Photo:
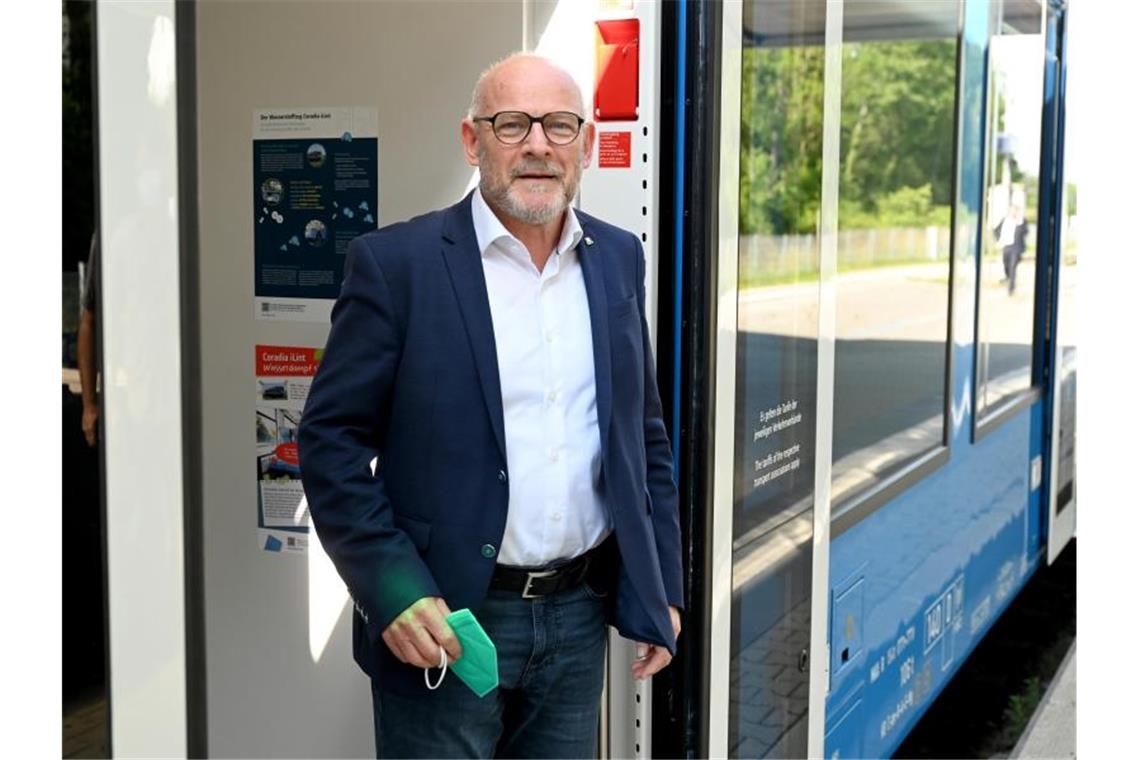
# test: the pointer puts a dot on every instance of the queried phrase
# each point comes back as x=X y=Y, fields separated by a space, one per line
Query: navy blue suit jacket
x=410 y=375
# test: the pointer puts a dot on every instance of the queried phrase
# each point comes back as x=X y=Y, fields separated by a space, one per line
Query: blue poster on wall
x=314 y=189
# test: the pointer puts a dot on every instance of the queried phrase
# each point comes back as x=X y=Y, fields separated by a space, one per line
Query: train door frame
x=624 y=191
x=725 y=381
x=723 y=242
x=1061 y=513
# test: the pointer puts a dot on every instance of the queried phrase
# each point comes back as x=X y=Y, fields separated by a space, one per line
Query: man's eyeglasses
x=512 y=127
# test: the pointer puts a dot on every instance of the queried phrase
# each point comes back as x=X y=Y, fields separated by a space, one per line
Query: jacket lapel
x=464 y=265
x=593 y=272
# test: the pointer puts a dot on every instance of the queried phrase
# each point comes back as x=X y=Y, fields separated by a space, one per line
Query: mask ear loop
x=442 y=665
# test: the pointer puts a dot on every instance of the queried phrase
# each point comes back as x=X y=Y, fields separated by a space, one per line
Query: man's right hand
x=417 y=633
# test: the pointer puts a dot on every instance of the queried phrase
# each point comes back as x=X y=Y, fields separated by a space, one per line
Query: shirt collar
x=489 y=230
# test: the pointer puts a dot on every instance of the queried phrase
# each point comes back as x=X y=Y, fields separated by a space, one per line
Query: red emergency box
x=616 y=53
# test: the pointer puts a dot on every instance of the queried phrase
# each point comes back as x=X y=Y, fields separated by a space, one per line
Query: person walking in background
x=1010 y=235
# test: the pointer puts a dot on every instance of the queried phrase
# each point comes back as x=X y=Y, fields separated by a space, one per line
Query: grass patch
x=1018 y=713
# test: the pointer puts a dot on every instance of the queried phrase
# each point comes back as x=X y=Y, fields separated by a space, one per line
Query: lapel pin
x=589 y=240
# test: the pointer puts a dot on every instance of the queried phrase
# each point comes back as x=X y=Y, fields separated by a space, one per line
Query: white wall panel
x=142 y=376
x=277 y=684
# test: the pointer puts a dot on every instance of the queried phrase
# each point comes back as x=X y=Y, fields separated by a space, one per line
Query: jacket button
x=502 y=476
x=488 y=551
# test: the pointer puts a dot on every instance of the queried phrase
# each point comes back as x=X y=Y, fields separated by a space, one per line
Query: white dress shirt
x=546 y=373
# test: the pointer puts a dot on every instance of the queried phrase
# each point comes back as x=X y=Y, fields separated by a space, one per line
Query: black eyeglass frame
x=533 y=120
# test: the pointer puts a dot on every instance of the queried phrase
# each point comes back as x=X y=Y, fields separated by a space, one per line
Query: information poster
x=315 y=188
x=284 y=374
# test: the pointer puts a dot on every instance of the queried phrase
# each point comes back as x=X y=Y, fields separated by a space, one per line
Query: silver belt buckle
x=530 y=576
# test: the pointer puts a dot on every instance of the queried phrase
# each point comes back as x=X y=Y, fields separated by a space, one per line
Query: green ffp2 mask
x=478 y=666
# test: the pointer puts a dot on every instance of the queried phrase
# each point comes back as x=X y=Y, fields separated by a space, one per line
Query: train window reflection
x=896 y=191
x=1009 y=234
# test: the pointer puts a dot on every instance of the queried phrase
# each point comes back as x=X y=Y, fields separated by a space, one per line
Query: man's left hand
x=651 y=657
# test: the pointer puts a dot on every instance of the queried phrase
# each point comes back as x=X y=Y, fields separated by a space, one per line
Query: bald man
x=494 y=357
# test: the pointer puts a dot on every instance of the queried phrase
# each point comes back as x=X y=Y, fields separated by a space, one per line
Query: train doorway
x=754 y=374
x=247 y=622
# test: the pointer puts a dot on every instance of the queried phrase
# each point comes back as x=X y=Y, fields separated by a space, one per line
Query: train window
x=896 y=192
x=781 y=149
x=1009 y=233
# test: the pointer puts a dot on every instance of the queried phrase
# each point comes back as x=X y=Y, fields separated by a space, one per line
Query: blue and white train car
x=874 y=367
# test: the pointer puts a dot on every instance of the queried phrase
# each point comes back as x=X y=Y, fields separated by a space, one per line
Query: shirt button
x=556 y=516
x=550 y=336
x=554 y=455
x=488 y=551
x=502 y=476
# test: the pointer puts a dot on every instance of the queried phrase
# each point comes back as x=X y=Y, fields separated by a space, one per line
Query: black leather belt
x=534 y=582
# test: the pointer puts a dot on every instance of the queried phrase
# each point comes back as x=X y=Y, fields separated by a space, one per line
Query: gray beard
x=501 y=198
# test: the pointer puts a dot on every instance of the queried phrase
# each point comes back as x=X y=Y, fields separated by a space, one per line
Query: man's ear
x=588 y=143
x=469 y=136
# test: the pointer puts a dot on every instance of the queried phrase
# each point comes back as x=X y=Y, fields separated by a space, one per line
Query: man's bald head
x=492 y=80
x=532 y=180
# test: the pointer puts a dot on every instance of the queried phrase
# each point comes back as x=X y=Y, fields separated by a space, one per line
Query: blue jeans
x=551 y=653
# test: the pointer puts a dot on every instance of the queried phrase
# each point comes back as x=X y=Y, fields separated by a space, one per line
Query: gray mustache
x=536 y=168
